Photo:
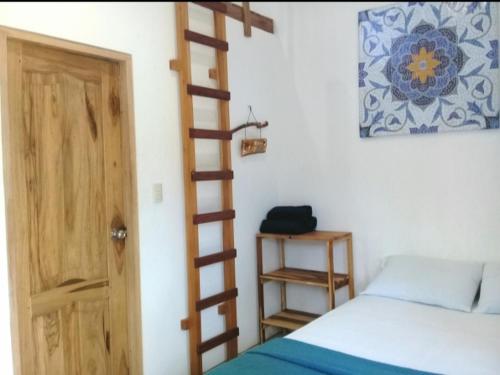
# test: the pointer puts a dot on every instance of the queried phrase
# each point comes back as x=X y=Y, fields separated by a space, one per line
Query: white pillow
x=489 y=299
x=447 y=283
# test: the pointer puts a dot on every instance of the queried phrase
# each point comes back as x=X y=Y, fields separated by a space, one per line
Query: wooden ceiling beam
x=247 y=19
x=235 y=11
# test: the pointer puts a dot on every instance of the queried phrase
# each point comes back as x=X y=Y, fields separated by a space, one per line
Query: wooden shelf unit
x=307 y=277
x=288 y=319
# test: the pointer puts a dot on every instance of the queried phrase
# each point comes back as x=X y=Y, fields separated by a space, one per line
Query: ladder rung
x=213 y=216
x=212 y=175
x=216 y=6
x=236 y=12
x=205 y=40
x=205 y=303
x=208 y=92
x=214 y=258
x=210 y=134
x=218 y=340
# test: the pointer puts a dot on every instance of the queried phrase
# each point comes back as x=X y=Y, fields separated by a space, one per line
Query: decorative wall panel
x=428 y=67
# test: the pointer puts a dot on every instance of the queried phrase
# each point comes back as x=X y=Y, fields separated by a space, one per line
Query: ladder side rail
x=227 y=189
x=190 y=191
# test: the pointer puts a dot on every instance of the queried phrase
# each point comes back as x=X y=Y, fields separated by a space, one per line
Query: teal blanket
x=291 y=357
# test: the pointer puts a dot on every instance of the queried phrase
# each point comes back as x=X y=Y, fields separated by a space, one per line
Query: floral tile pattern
x=428 y=67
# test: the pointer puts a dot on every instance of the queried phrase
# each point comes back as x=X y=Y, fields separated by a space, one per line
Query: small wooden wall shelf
x=293 y=319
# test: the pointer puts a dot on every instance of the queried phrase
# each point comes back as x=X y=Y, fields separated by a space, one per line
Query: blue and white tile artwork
x=428 y=67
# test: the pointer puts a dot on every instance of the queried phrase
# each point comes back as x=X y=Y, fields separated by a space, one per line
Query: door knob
x=118 y=234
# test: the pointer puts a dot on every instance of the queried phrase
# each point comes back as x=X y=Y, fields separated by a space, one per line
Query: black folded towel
x=290 y=212
x=297 y=226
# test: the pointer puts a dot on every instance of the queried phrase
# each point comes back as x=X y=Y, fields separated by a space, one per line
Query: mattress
x=409 y=335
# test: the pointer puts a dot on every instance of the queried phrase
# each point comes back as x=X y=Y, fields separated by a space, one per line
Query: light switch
x=157 y=193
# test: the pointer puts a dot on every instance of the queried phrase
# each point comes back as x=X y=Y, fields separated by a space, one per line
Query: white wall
x=432 y=194
x=147 y=31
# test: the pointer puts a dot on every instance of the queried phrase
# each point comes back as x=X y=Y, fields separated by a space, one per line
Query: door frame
x=124 y=61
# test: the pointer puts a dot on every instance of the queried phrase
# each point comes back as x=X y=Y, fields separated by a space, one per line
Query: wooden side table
x=330 y=280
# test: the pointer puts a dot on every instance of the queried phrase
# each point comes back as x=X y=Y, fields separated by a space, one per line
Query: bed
x=378 y=334
x=372 y=334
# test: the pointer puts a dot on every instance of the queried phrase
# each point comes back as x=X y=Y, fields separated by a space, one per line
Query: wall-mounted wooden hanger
x=258 y=125
x=251 y=146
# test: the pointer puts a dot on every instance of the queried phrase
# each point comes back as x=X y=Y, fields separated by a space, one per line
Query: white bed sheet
x=410 y=335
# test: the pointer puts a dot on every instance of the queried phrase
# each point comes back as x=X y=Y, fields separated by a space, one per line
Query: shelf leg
x=282 y=265
x=350 y=267
x=331 y=284
x=260 y=290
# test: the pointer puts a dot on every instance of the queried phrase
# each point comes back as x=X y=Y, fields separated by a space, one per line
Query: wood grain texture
x=130 y=214
x=257 y=20
x=289 y=319
x=60 y=179
x=114 y=196
x=281 y=244
x=330 y=275
x=236 y=12
x=184 y=324
x=329 y=279
x=247 y=19
x=260 y=290
x=65 y=189
x=65 y=170
x=56 y=298
x=212 y=74
x=17 y=224
x=64 y=44
x=216 y=6
x=210 y=134
x=222 y=309
x=191 y=177
x=215 y=258
x=206 y=40
x=256 y=124
x=6 y=59
x=230 y=316
x=211 y=217
x=350 y=267
x=216 y=299
x=319 y=235
x=218 y=340
x=190 y=190
x=207 y=92
x=212 y=175
x=73 y=339
x=174 y=65
x=306 y=277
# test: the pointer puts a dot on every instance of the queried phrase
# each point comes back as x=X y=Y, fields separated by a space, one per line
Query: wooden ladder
x=227 y=298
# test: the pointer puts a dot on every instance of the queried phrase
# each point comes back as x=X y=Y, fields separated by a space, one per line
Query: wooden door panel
x=66 y=139
x=65 y=177
x=70 y=292
x=48 y=60
x=115 y=200
x=73 y=340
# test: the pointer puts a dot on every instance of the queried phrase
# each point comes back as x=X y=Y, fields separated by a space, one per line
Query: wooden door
x=66 y=194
